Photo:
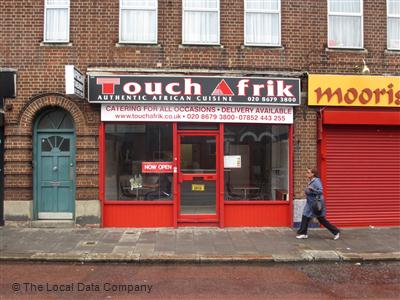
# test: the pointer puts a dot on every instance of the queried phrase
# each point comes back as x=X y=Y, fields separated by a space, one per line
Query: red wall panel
x=365 y=117
x=138 y=215
x=258 y=215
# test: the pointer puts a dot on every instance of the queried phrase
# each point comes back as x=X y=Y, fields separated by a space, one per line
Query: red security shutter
x=362 y=175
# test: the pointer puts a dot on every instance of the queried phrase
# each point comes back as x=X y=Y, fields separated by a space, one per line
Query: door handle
x=55 y=168
x=71 y=171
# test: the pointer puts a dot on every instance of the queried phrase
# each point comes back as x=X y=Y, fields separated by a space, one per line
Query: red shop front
x=359 y=138
x=197 y=164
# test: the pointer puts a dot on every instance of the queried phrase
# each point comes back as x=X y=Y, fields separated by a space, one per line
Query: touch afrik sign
x=346 y=90
x=194 y=90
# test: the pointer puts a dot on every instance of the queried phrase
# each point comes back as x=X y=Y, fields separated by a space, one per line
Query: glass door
x=197 y=175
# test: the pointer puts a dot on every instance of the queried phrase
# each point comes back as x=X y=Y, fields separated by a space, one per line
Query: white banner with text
x=197 y=113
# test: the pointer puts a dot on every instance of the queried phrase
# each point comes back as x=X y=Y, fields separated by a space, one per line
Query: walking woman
x=313 y=189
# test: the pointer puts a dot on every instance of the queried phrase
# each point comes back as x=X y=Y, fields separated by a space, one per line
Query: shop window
x=262 y=22
x=56 y=20
x=393 y=24
x=345 y=24
x=256 y=161
x=127 y=147
x=200 y=22
x=138 y=21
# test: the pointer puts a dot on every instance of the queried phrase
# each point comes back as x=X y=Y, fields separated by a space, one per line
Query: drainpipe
x=1 y=166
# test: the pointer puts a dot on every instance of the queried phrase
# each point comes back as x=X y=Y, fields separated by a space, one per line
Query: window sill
x=256 y=202
x=266 y=47
x=347 y=50
x=137 y=45
x=138 y=202
x=201 y=46
x=392 y=51
x=55 y=44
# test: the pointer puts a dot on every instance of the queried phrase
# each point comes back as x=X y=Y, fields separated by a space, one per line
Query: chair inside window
x=162 y=190
x=125 y=187
x=229 y=195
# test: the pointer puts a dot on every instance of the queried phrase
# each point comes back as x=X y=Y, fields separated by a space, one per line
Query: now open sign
x=157 y=167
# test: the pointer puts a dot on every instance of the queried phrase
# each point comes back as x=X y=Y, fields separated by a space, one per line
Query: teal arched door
x=54 y=164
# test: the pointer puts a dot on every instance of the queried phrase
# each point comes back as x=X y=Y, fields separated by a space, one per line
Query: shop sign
x=194 y=90
x=74 y=82
x=197 y=113
x=8 y=83
x=232 y=161
x=346 y=90
x=157 y=167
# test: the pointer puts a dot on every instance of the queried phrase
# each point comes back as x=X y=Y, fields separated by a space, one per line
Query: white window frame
x=46 y=7
x=143 y=8
x=361 y=14
x=264 y=11
x=390 y=16
x=218 y=10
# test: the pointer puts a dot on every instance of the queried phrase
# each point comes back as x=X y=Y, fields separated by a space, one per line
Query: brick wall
x=94 y=39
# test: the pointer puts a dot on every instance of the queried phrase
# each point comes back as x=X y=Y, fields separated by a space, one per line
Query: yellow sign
x=346 y=90
x=198 y=187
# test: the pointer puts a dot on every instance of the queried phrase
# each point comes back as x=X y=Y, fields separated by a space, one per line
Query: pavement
x=197 y=245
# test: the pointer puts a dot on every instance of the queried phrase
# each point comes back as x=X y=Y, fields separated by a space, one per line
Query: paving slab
x=324 y=255
x=197 y=245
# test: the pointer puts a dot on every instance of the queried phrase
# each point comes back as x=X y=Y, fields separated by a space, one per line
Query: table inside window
x=139 y=192
x=245 y=189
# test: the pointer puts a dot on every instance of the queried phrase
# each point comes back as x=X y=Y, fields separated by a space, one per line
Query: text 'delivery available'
x=197 y=113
